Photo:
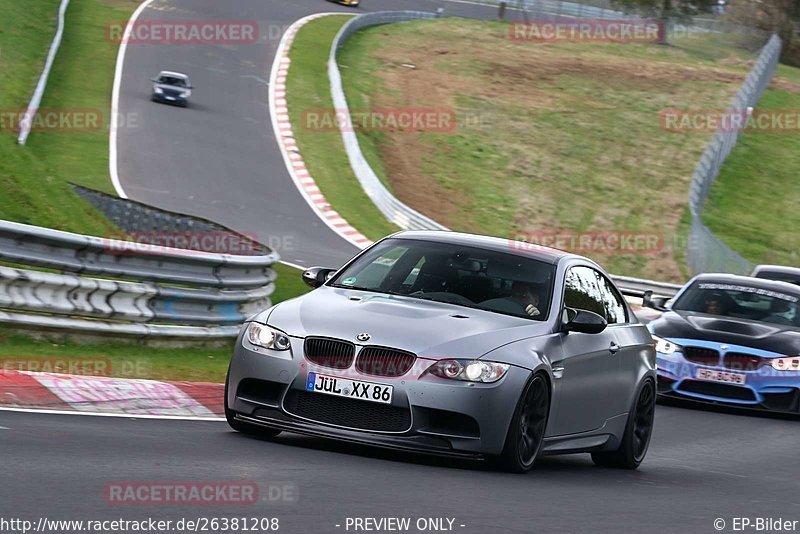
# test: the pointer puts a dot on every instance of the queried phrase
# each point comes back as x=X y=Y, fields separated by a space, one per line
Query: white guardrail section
x=27 y=122
x=392 y=208
x=165 y=292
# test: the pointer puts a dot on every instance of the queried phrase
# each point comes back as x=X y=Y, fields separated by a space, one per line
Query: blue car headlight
x=786 y=364
x=269 y=338
x=158 y=90
x=664 y=346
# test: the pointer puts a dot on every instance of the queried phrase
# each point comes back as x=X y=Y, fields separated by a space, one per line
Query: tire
x=240 y=426
x=527 y=428
x=638 y=431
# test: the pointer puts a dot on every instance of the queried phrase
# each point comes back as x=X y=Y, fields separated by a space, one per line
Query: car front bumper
x=427 y=413
x=170 y=99
x=764 y=389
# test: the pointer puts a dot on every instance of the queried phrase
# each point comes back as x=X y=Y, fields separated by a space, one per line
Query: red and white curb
x=107 y=396
x=291 y=154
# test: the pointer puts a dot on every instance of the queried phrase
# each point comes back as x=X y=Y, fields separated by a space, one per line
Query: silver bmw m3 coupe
x=453 y=344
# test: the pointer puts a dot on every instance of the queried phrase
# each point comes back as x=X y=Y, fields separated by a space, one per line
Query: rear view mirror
x=582 y=321
x=655 y=303
x=316 y=276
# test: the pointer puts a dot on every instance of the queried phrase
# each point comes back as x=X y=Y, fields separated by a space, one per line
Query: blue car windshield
x=741 y=301
x=455 y=274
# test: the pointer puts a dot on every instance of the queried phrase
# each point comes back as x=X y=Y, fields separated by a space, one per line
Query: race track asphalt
x=218 y=159
x=701 y=466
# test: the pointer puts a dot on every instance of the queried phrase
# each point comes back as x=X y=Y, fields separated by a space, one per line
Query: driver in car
x=522 y=293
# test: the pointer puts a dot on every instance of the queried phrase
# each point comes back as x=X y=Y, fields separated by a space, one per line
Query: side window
x=615 y=308
x=587 y=289
x=582 y=292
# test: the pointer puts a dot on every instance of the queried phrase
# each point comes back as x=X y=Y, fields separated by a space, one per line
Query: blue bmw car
x=732 y=340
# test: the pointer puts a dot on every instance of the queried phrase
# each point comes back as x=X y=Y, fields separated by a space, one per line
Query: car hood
x=758 y=335
x=429 y=329
x=172 y=90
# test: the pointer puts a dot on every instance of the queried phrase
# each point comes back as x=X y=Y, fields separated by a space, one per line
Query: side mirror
x=316 y=276
x=190 y=86
x=655 y=303
x=582 y=321
x=154 y=80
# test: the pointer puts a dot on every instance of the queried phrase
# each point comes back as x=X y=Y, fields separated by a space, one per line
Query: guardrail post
x=501 y=11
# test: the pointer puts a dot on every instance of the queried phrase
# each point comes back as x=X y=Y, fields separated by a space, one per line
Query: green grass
x=289 y=284
x=308 y=91
x=754 y=205
x=198 y=364
x=34 y=179
x=550 y=136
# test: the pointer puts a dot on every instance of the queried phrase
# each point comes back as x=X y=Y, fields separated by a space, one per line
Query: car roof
x=777 y=269
x=761 y=283
x=520 y=248
x=173 y=74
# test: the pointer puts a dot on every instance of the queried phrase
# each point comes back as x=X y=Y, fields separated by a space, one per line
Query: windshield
x=454 y=274
x=780 y=276
x=173 y=81
x=741 y=302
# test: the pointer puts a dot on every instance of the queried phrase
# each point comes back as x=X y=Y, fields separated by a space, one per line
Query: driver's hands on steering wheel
x=532 y=310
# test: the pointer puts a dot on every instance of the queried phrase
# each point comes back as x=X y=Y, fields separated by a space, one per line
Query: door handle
x=613 y=348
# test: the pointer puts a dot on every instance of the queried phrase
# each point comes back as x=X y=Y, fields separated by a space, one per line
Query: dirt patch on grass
x=782 y=84
x=569 y=138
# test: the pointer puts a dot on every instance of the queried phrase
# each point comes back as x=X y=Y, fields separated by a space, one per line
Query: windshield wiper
x=369 y=289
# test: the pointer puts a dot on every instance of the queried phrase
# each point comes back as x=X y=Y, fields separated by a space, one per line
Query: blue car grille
x=737 y=361
x=701 y=355
x=714 y=389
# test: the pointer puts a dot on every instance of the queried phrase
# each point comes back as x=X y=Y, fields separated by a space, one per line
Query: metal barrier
x=706 y=252
x=202 y=288
x=38 y=93
x=392 y=208
x=80 y=254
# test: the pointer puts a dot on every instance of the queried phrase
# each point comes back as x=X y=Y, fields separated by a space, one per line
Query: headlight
x=786 y=364
x=665 y=347
x=267 y=337
x=158 y=90
x=469 y=370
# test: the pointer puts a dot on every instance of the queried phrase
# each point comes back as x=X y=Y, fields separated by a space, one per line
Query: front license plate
x=721 y=376
x=170 y=98
x=352 y=389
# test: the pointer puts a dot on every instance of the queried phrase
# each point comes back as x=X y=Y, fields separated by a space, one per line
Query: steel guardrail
x=163 y=292
x=706 y=252
x=390 y=206
x=33 y=106
x=64 y=251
